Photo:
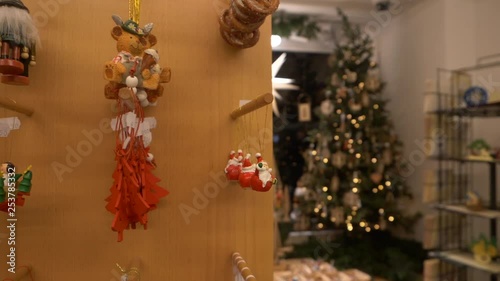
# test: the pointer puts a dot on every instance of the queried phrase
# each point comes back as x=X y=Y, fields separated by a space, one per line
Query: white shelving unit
x=454 y=177
x=461 y=209
x=466 y=259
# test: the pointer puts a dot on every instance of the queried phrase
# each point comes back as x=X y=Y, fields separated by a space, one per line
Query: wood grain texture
x=64 y=230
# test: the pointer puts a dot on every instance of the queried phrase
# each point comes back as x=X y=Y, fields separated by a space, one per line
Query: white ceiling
x=324 y=12
x=358 y=10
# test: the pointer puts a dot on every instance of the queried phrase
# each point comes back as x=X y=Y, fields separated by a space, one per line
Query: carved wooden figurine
x=18 y=37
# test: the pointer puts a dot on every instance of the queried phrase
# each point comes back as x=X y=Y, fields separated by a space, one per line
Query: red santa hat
x=240 y=155
x=259 y=157
x=247 y=162
x=231 y=154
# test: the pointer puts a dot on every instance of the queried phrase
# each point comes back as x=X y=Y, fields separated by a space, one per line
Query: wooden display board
x=63 y=231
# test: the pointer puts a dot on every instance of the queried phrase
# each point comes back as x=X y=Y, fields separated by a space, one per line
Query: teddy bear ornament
x=18 y=38
x=136 y=66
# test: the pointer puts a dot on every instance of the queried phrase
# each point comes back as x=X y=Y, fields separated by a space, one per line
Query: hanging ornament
x=13 y=187
x=338 y=159
x=382 y=223
x=134 y=82
x=352 y=76
x=352 y=200
x=354 y=106
x=327 y=107
x=337 y=215
x=247 y=172
x=324 y=211
x=18 y=39
x=262 y=180
x=341 y=93
x=372 y=82
x=325 y=150
x=296 y=212
x=376 y=177
x=380 y=168
x=365 y=99
x=304 y=109
x=335 y=80
x=342 y=126
x=387 y=156
x=233 y=167
x=310 y=160
x=335 y=183
x=141 y=65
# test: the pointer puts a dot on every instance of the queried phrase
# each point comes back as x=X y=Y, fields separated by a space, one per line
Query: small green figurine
x=22 y=186
x=479 y=150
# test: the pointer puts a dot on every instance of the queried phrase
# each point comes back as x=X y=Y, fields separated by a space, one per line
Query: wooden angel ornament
x=134 y=78
x=18 y=39
x=14 y=187
x=135 y=56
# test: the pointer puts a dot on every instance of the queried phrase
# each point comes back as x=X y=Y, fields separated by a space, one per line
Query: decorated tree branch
x=355 y=156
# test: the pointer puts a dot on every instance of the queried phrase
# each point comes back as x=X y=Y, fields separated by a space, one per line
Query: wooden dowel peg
x=22 y=272
x=242 y=267
x=254 y=104
x=14 y=106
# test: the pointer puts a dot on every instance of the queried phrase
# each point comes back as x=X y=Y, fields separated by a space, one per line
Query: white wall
x=426 y=35
x=409 y=49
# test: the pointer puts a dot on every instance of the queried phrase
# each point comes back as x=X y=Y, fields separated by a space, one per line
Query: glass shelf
x=466 y=259
x=461 y=209
x=458 y=159
x=491 y=110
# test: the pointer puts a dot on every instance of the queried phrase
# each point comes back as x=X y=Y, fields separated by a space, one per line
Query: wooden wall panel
x=64 y=229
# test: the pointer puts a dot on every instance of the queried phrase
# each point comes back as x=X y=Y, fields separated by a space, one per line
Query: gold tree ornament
x=134 y=10
x=335 y=183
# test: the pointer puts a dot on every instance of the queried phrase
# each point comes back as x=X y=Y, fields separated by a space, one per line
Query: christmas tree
x=355 y=159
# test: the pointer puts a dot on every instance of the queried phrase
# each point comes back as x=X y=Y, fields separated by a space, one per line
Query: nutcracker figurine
x=18 y=38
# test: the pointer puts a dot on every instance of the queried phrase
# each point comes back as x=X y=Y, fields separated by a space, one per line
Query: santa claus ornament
x=255 y=176
x=247 y=172
x=233 y=167
x=18 y=39
x=262 y=180
x=134 y=78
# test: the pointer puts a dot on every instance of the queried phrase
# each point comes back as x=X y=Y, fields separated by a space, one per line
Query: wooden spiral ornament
x=239 y=24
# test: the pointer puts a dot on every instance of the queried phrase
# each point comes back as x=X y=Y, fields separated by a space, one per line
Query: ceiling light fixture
x=275 y=41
